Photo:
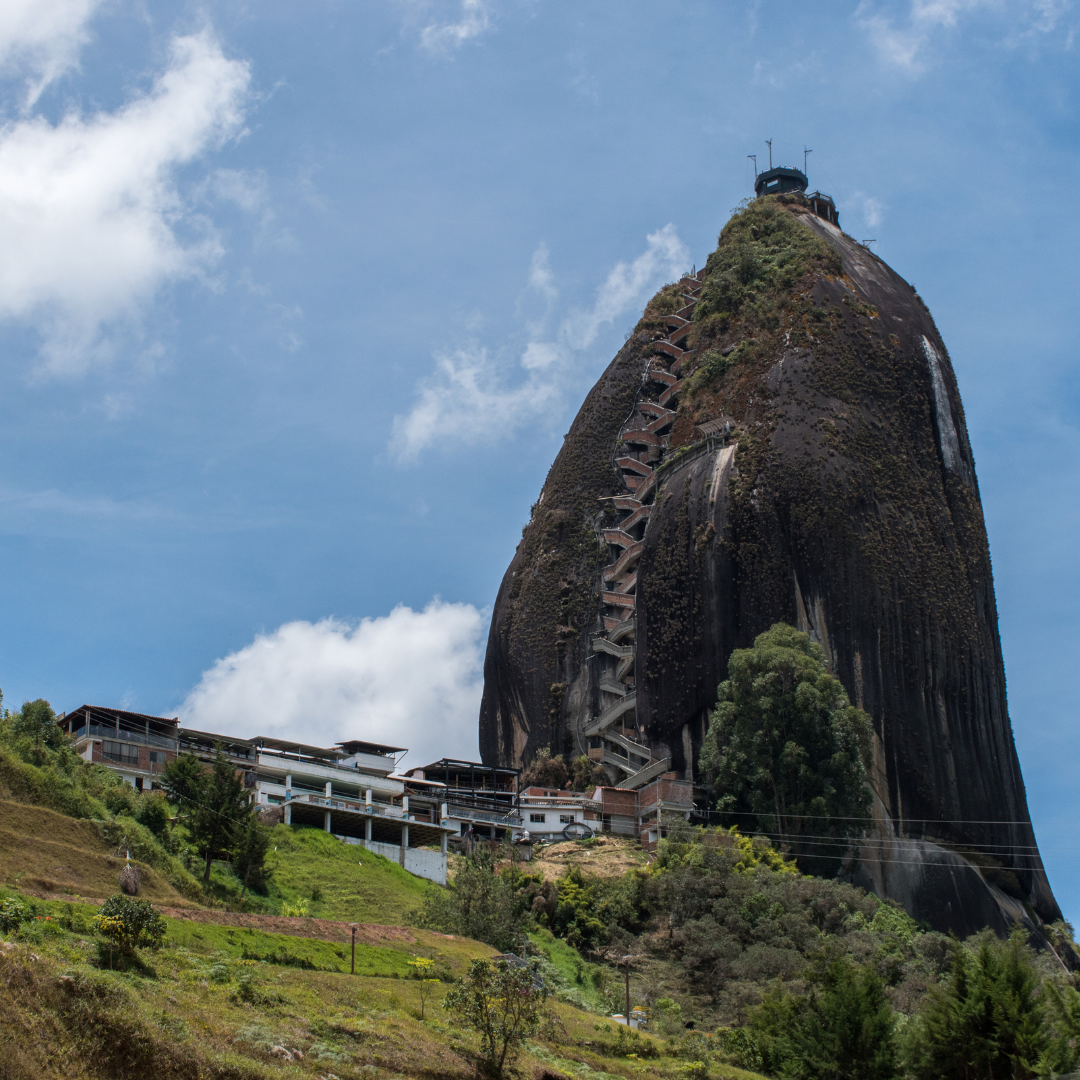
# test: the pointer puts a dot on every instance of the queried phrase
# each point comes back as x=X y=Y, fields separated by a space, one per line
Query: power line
x=906 y=820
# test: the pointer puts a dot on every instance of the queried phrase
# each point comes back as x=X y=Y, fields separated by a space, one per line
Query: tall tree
x=250 y=843
x=37 y=720
x=213 y=802
x=787 y=750
x=986 y=1020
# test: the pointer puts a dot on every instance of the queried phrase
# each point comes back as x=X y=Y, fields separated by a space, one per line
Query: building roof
x=133 y=717
x=360 y=746
x=210 y=736
x=291 y=746
x=454 y=763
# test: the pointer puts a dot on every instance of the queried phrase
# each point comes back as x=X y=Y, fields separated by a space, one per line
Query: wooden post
x=352 y=966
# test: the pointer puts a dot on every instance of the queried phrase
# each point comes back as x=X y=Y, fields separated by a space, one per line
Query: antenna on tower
x=805 y=154
x=769 y=142
x=753 y=158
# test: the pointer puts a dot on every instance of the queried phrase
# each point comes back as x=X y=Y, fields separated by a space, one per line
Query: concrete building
x=482 y=801
x=134 y=745
x=547 y=814
x=348 y=789
x=645 y=813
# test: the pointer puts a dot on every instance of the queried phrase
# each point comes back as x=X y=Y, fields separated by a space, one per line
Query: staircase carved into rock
x=614 y=736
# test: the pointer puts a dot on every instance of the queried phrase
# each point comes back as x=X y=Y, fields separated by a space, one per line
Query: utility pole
x=626 y=961
x=352 y=966
x=769 y=142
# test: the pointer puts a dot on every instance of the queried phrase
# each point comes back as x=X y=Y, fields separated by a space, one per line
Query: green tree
x=504 y=1004
x=787 y=751
x=478 y=903
x=36 y=720
x=985 y=1021
x=586 y=775
x=546 y=771
x=184 y=778
x=1061 y=1054
x=843 y=1029
x=213 y=802
x=422 y=969
x=130 y=924
x=250 y=843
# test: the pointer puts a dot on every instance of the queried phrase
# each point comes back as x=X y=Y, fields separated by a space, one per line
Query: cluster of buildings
x=355 y=792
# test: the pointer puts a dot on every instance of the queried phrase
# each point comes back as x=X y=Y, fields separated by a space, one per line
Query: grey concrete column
x=405 y=806
x=367 y=799
x=329 y=789
x=288 y=814
x=443 y=814
x=326 y=820
x=443 y=843
x=404 y=842
x=288 y=785
x=367 y=830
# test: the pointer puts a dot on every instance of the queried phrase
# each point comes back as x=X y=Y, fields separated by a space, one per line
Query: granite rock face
x=781 y=439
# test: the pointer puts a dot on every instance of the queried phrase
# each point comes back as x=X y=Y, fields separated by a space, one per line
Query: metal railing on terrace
x=473 y=814
x=531 y=802
x=357 y=806
x=95 y=731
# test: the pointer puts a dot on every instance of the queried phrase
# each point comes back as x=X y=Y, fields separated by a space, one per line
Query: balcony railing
x=356 y=806
x=470 y=813
x=95 y=731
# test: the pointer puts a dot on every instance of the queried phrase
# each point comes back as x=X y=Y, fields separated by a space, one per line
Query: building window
x=125 y=753
x=537 y=819
x=157 y=757
x=566 y=819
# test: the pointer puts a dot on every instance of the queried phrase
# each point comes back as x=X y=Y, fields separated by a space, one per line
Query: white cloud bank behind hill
x=410 y=678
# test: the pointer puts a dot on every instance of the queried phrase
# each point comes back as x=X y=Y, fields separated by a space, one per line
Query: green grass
x=568 y=975
x=200 y=1008
x=355 y=884
x=242 y=943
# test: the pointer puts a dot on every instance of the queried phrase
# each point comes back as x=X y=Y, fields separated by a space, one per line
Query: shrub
x=478 y=903
x=12 y=913
x=153 y=813
x=503 y=1004
x=130 y=924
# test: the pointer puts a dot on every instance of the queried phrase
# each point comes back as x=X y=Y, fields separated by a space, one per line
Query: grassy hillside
x=335 y=880
x=215 y=1001
x=48 y=853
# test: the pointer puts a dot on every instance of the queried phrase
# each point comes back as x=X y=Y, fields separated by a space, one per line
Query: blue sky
x=297 y=301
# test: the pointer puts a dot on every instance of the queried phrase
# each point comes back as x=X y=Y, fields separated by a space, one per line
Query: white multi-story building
x=548 y=814
x=348 y=789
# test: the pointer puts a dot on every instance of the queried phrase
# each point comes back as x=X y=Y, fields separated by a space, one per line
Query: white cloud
x=472 y=397
x=467 y=401
x=900 y=42
x=42 y=38
x=410 y=678
x=89 y=209
x=664 y=257
x=869 y=210
x=473 y=20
